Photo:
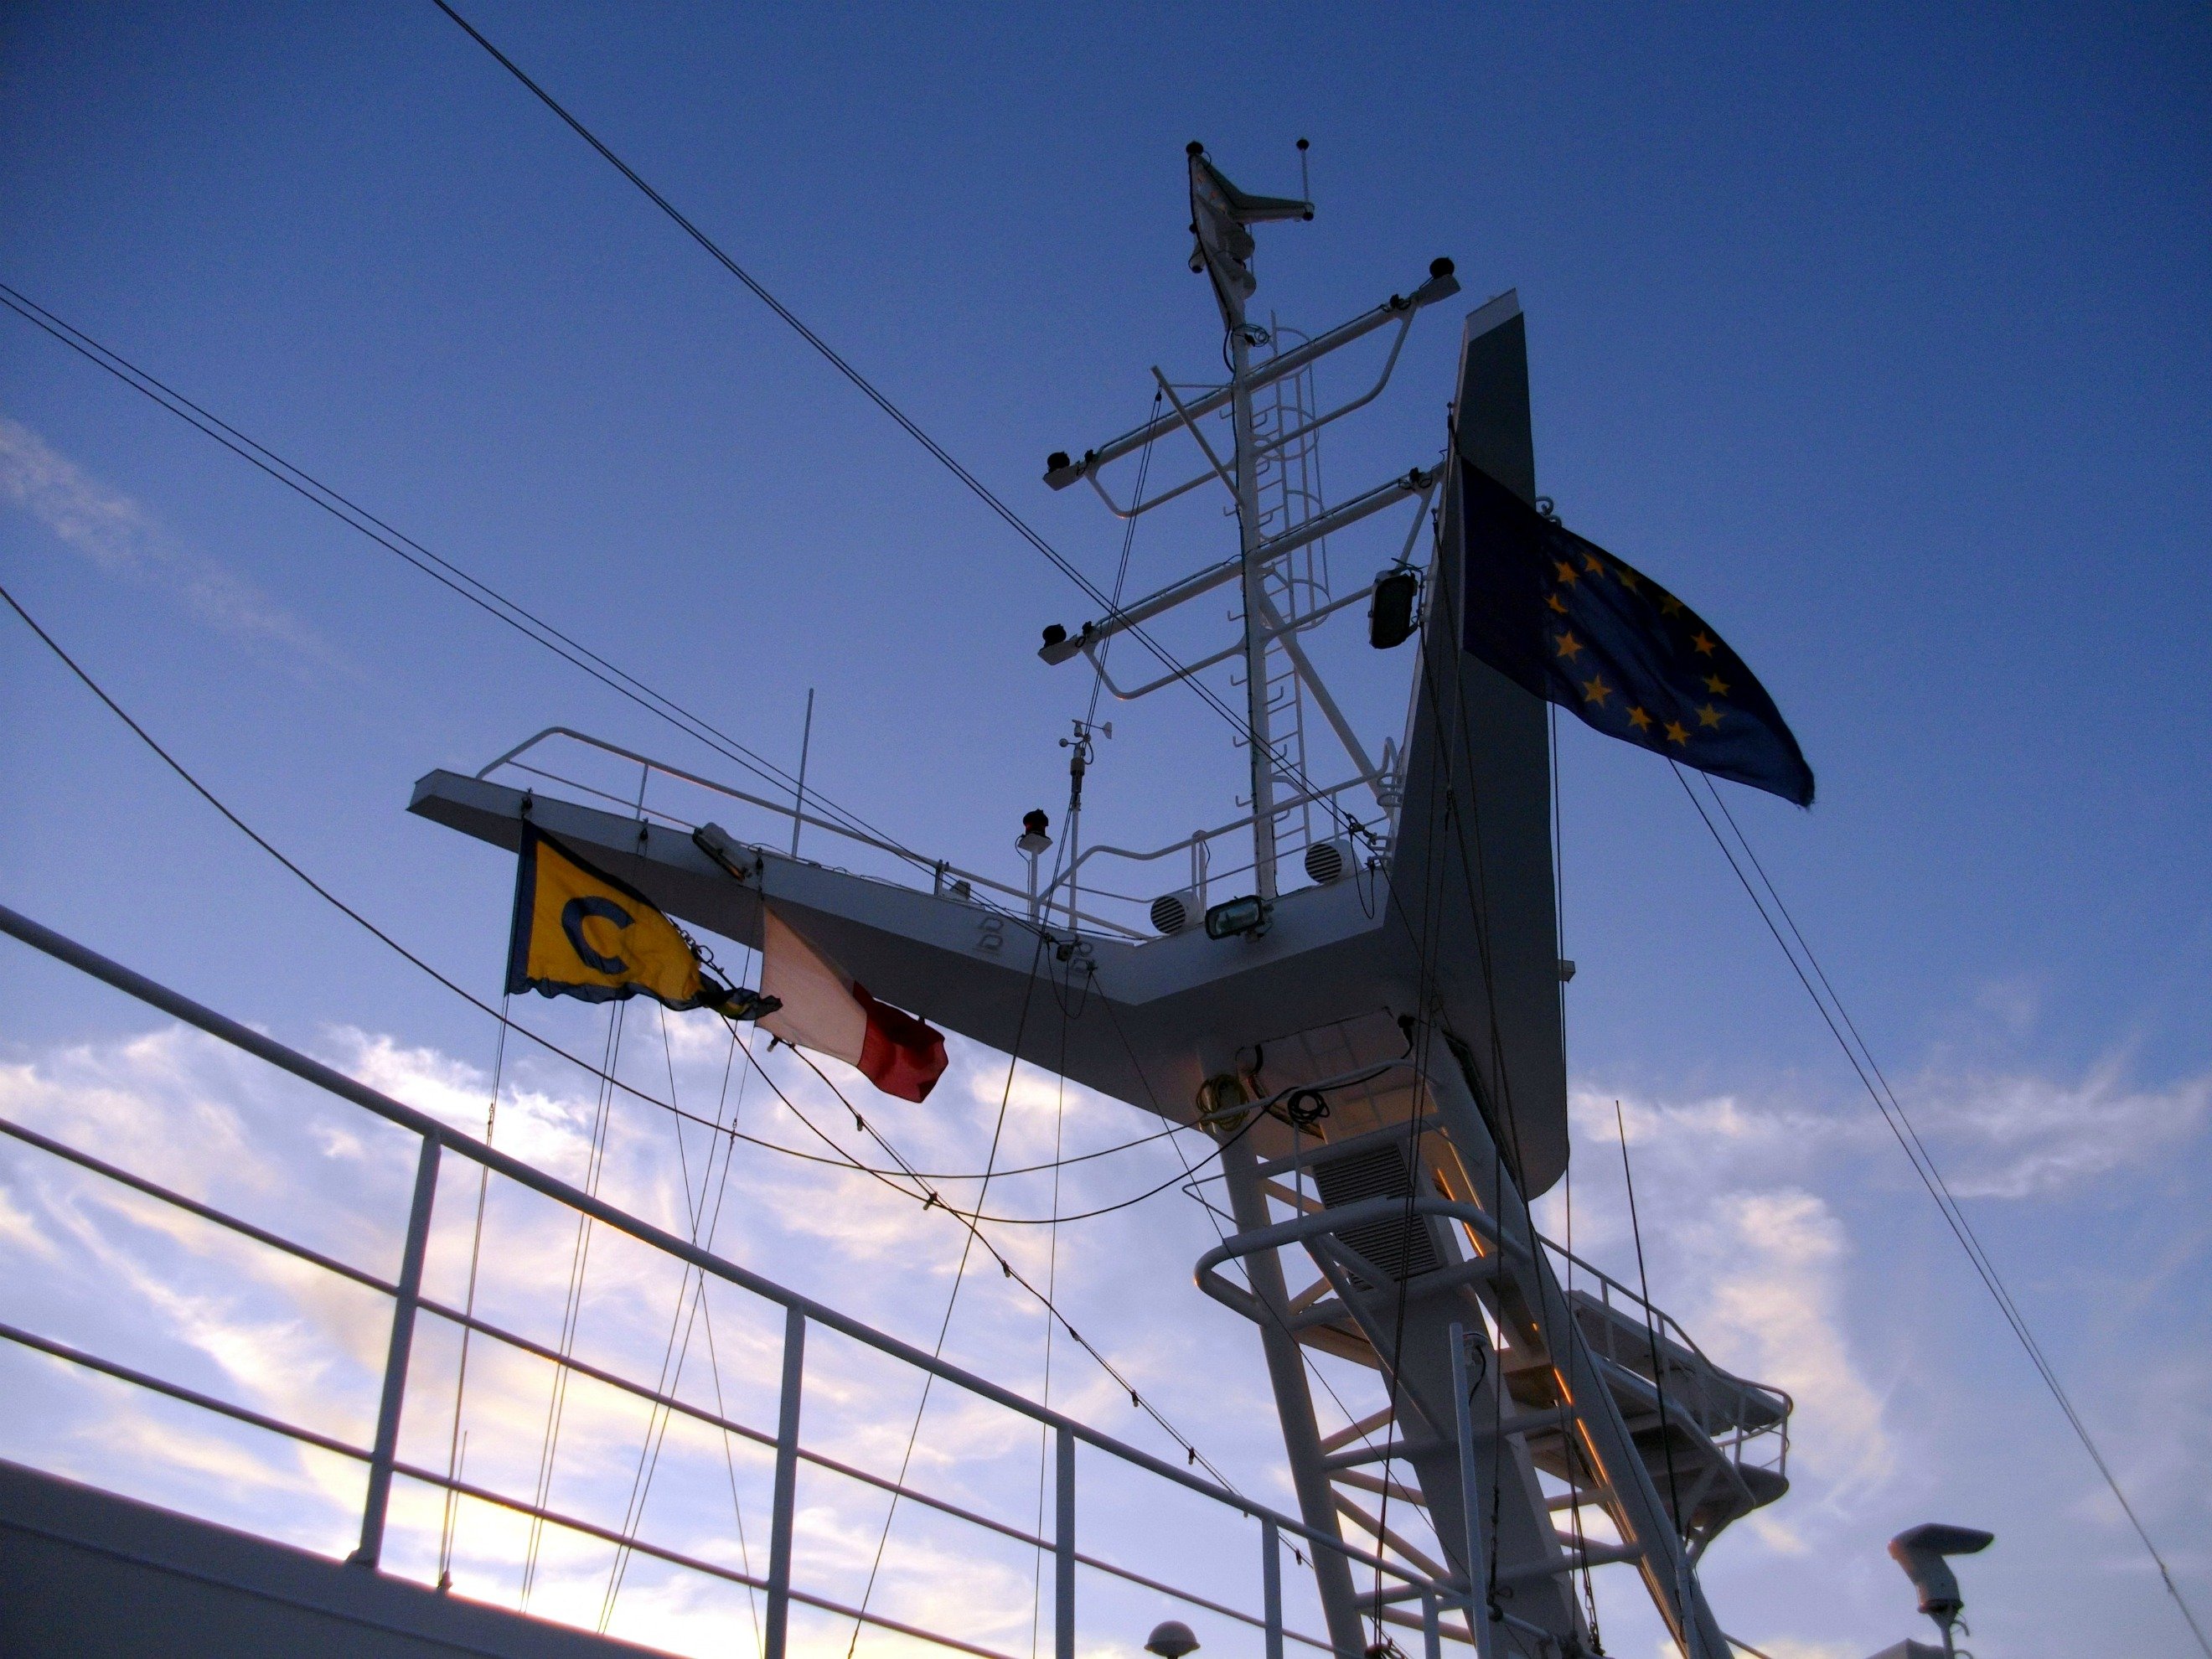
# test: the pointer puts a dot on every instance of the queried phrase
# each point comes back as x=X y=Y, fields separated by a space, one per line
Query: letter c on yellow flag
x=579 y=932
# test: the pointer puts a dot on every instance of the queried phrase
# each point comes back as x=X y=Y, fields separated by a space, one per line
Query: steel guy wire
x=844 y=1160
x=868 y=389
x=604 y=1075
x=1006 y=1267
x=439 y=569
x=1916 y=1151
x=952 y=1299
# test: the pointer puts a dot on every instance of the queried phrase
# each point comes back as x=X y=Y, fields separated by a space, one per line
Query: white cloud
x=2027 y=1135
x=1775 y=1296
x=183 y=1299
x=118 y=536
x=1748 y=1256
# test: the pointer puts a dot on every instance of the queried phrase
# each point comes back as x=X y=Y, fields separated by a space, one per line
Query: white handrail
x=801 y=1312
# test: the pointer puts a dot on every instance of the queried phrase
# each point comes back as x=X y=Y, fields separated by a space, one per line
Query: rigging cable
x=843 y=1160
x=1681 y=1522
x=1006 y=1267
x=868 y=389
x=704 y=1228
x=1916 y=1151
x=1044 y=1398
x=439 y=569
x=557 y=1409
x=1581 y=1458
x=449 y=1520
x=1431 y=938
x=959 y=1278
x=1578 y=1455
x=1189 y=1184
x=604 y=1073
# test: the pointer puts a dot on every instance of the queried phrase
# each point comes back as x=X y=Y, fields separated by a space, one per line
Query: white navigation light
x=1249 y=915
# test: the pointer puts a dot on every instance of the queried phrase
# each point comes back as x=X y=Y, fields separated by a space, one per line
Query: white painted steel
x=786 y=1500
x=405 y=1296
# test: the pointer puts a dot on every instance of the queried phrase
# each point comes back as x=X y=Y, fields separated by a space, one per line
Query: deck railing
x=780 y=1585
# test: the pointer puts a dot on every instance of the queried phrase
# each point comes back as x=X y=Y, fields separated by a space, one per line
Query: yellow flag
x=580 y=932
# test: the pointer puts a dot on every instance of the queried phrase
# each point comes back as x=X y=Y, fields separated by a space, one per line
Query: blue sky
x=1876 y=334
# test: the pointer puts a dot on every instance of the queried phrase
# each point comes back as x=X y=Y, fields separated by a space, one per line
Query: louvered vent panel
x=1400 y=1245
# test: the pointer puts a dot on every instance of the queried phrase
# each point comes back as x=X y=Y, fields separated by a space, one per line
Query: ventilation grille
x=1325 y=861
x=1401 y=1245
x=1170 y=913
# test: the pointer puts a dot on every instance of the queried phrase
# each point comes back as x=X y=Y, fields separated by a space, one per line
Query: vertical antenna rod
x=799 y=799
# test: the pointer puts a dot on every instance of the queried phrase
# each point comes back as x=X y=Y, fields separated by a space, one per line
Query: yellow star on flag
x=1556 y=603
x=1709 y=715
x=1627 y=578
x=1566 y=571
x=1595 y=689
x=1590 y=563
x=1639 y=719
x=1706 y=643
x=1677 y=732
x=1570 y=646
x=1669 y=606
x=1717 y=685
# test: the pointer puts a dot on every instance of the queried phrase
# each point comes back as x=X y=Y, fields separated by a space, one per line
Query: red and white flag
x=824 y=1010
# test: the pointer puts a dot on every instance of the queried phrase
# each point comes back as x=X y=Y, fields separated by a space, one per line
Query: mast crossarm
x=1125 y=514
x=1273 y=445
x=1276 y=629
x=1440 y=287
x=1420 y=481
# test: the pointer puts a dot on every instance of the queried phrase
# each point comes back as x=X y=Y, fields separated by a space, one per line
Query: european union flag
x=1562 y=618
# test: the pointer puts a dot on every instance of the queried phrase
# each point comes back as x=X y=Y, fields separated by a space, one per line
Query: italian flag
x=824 y=1010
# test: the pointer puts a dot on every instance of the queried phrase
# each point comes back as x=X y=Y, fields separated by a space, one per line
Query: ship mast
x=1361 y=1056
x=1258 y=738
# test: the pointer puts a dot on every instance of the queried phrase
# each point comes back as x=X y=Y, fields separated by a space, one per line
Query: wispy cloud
x=118 y=1273
x=1728 y=1209
x=116 y=535
x=2024 y=1135
x=1776 y=1294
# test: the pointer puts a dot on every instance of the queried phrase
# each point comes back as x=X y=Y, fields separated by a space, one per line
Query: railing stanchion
x=1433 y=1634
x=377 y=1499
x=1270 y=1586
x=786 y=1486
x=1478 y=1623
x=1063 y=1549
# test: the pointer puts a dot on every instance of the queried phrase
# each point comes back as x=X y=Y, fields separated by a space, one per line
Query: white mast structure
x=1378 y=1055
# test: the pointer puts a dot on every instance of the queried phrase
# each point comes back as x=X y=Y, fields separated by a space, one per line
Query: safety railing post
x=1063 y=1548
x=1478 y=1619
x=786 y=1486
x=405 y=1294
x=1271 y=1585
x=1432 y=1632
